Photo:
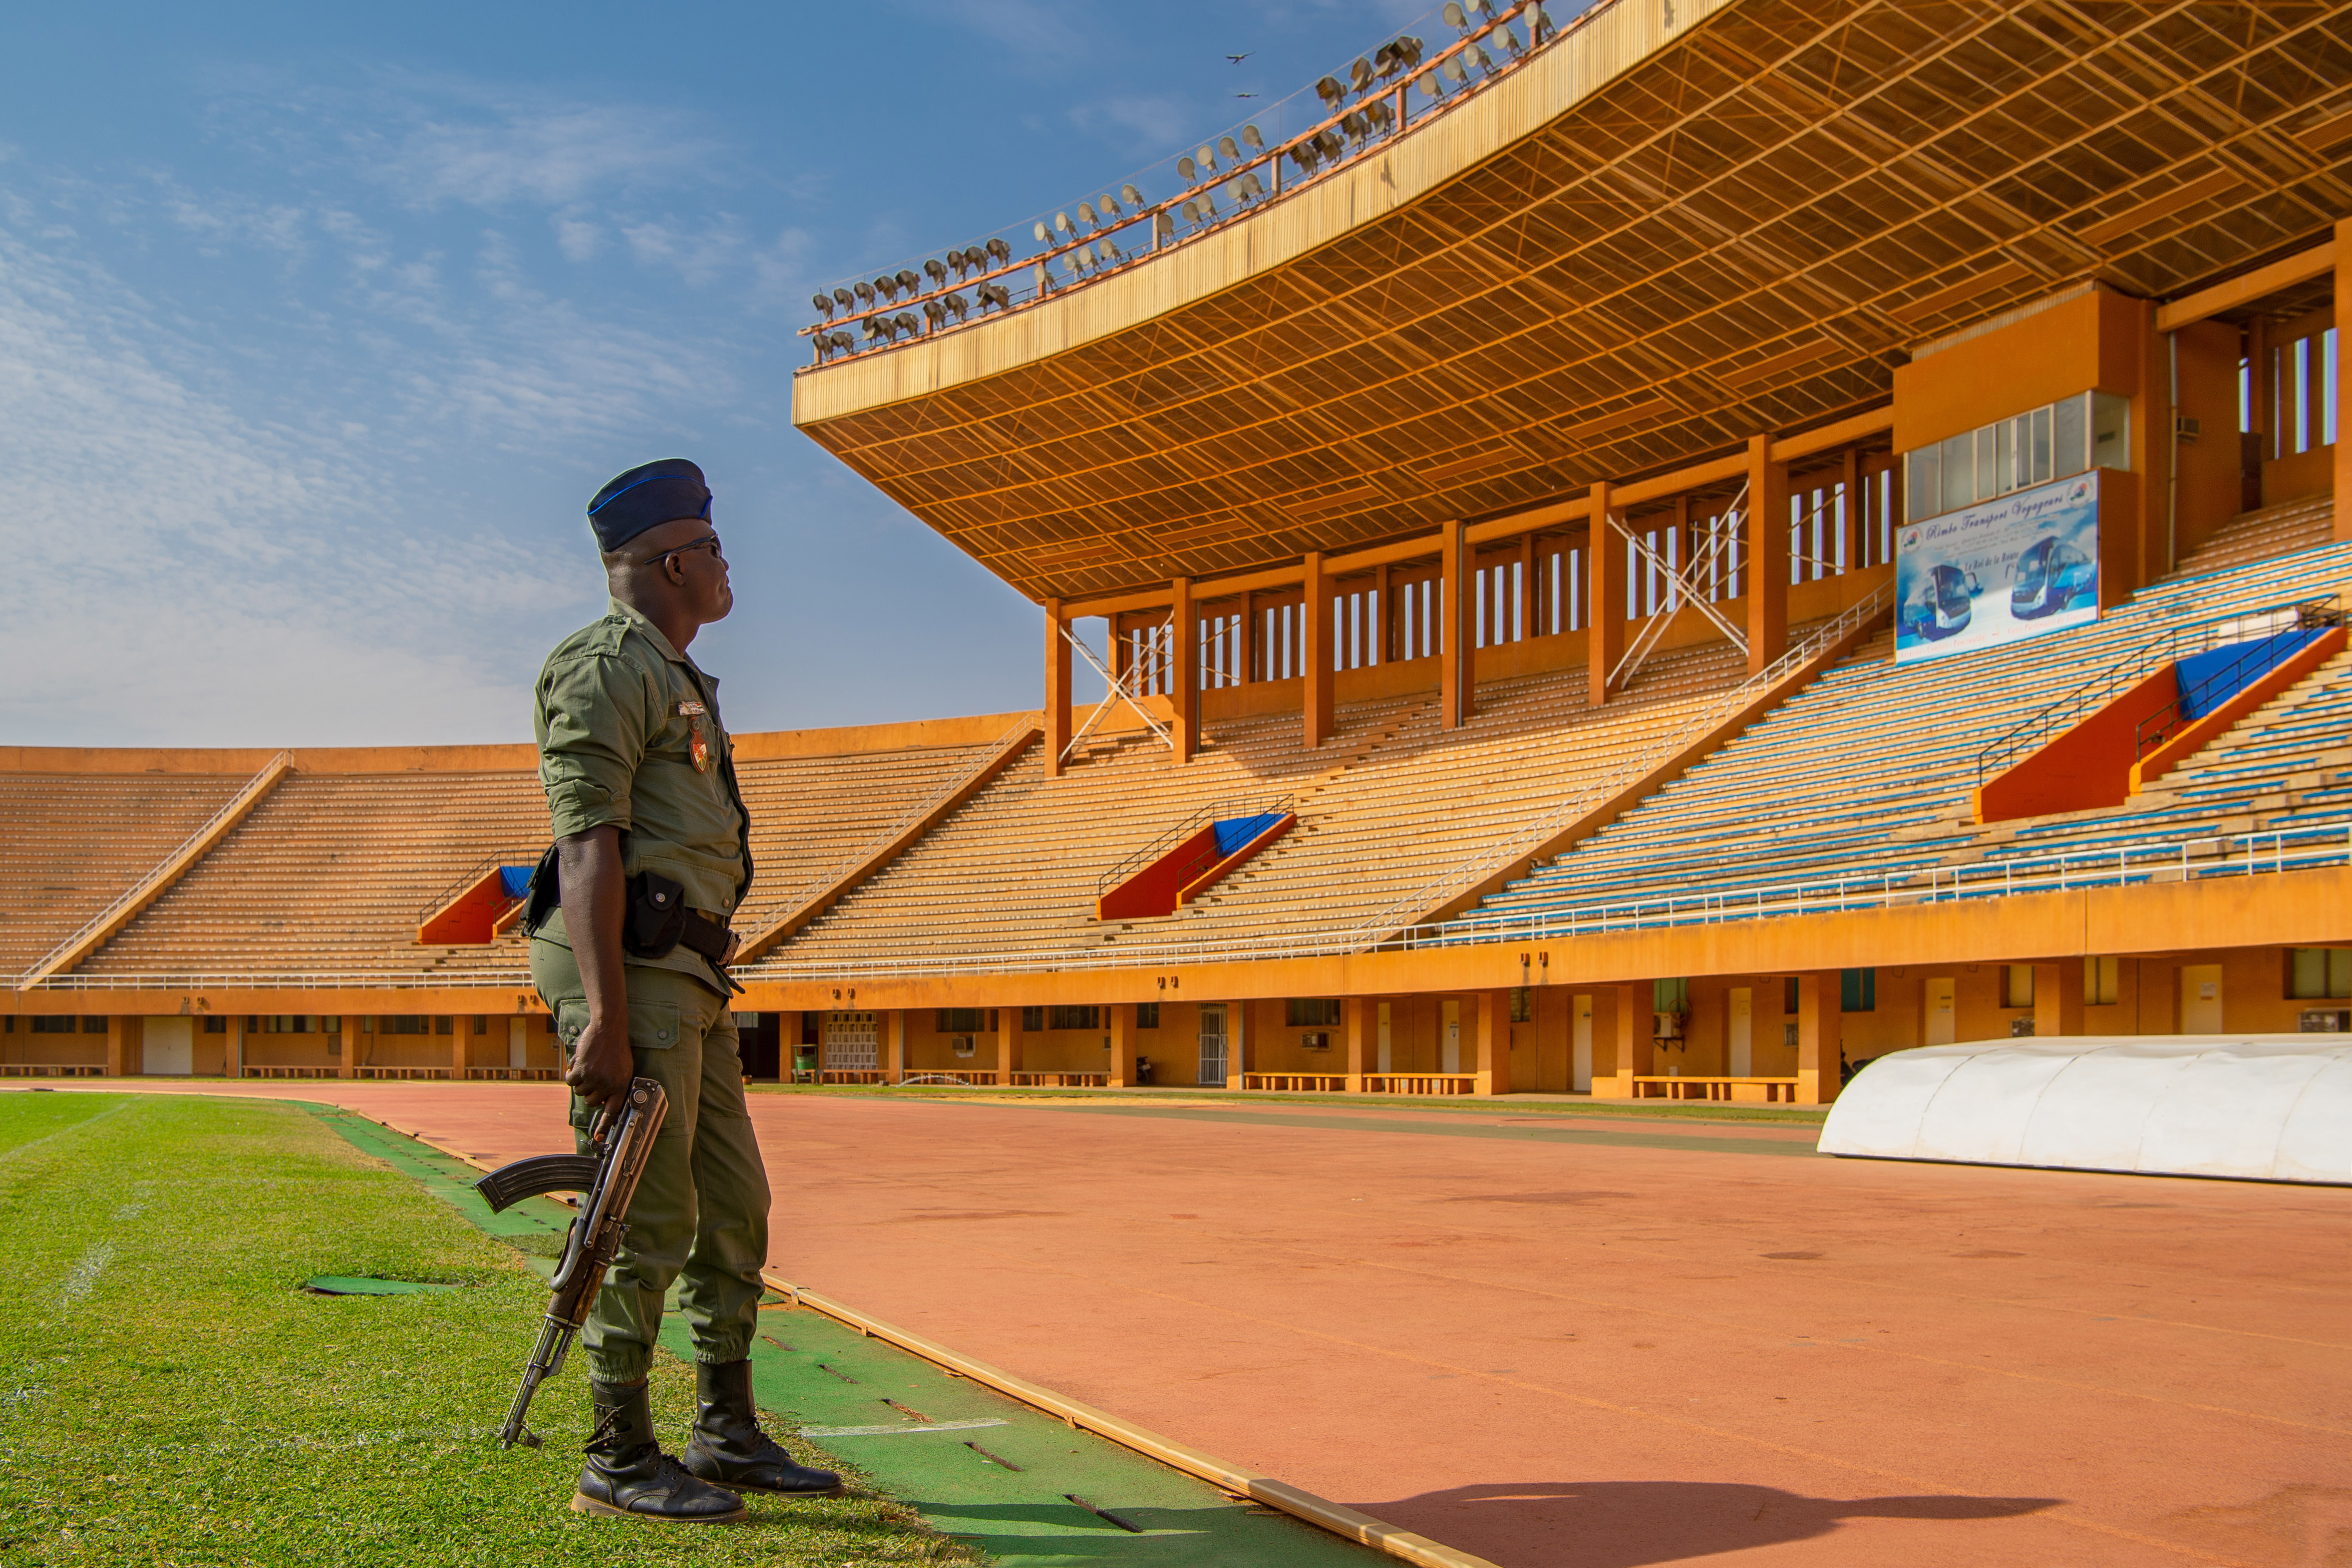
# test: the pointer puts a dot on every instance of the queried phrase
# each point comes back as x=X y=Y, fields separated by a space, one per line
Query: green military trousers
x=701 y=1213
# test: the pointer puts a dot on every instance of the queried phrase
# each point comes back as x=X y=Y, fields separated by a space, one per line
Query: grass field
x=168 y=1394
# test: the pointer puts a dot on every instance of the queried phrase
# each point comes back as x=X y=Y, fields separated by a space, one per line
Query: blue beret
x=647 y=494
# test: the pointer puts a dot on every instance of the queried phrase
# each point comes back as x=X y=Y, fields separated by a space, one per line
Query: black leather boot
x=730 y=1448
x=627 y=1475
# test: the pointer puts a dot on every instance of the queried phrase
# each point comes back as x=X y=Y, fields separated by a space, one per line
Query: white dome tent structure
x=2250 y=1107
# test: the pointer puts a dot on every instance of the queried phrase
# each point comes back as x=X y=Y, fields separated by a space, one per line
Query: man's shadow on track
x=1628 y=1524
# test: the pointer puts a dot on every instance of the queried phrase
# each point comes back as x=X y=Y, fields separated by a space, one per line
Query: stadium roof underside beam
x=1653 y=243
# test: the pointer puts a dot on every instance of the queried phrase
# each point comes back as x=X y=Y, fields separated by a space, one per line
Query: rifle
x=623 y=1139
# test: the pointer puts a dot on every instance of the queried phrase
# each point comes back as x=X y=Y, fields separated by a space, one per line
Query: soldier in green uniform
x=652 y=856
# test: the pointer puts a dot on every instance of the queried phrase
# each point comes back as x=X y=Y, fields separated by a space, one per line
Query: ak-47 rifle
x=623 y=1141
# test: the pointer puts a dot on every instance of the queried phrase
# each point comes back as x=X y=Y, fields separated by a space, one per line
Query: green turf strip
x=815 y=1371
x=168 y=1394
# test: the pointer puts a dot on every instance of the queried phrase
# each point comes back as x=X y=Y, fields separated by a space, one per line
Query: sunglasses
x=708 y=542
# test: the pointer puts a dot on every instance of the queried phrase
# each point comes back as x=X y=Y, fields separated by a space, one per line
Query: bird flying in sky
x=1239 y=59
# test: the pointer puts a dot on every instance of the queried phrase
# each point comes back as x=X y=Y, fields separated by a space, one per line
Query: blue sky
x=319 y=325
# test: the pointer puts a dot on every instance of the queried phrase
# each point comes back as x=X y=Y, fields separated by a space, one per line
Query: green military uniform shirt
x=629 y=734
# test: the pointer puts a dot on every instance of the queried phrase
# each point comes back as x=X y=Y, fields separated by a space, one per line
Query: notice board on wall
x=1999 y=571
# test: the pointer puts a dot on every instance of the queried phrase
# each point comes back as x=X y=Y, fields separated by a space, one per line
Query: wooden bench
x=1297 y=1082
x=1420 y=1083
x=1060 y=1080
x=1691 y=1086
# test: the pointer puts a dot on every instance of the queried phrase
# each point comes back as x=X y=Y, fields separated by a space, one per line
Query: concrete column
x=1819 y=1006
x=233 y=1046
x=1456 y=675
x=1634 y=1044
x=117 y=1047
x=1318 y=639
x=1237 y=1034
x=1768 y=555
x=2342 y=379
x=1057 y=689
x=2058 y=998
x=1121 y=1020
x=1008 y=1038
x=1356 y=1017
x=1184 y=675
x=893 y=1045
x=1604 y=577
x=1530 y=602
x=1850 y=479
x=1494 y=1069
x=351 y=1022
x=1388 y=616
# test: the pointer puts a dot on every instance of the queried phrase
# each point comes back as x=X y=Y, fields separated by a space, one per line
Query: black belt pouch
x=656 y=917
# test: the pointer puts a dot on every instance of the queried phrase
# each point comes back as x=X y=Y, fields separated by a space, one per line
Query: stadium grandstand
x=1662 y=550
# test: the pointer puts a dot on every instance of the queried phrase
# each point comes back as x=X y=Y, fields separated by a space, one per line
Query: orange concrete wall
x=2086 y=766
x=2091 y=341
x=2210 y=467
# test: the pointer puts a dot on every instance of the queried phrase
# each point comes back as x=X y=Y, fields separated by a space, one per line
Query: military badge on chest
x=699 y=748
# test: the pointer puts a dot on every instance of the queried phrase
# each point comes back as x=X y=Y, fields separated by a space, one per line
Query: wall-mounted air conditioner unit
x=961 y=1044
x=1666 y=1026
x=2327 y=1020
x=1315 y=1039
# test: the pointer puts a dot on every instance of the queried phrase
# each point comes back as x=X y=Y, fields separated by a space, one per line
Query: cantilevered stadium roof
x=1677 y=224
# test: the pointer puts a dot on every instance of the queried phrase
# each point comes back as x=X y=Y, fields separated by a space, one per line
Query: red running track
x=1595 y=1354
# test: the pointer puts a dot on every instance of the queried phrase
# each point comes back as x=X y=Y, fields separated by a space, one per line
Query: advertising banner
x=1993 y=573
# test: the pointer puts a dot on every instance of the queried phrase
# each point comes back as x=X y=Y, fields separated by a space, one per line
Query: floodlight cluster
x=1366 y=104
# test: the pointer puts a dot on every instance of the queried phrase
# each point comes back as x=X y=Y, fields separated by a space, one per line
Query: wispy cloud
x=495 y=153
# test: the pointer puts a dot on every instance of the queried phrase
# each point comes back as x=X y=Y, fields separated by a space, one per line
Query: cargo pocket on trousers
x=652 y=1026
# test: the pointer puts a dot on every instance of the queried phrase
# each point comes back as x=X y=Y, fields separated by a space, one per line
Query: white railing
x=2185 y=860
x=170 y=864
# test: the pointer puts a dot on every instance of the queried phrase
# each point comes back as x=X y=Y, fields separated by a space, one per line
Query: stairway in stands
x=1869 y=772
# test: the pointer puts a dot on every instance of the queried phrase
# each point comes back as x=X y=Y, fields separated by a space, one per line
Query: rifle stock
x=624 y=1142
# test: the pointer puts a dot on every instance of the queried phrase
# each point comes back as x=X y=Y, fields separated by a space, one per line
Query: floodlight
x=1408 y=49
x=1252 y=140
x=865 y=295
x=1086 y=255
x=1045 y=234
x=1000 y=252
x=1130 y=195
x=1430 y=85
x=1356 y=125
x=1062 y=225
x=1452 y=70
x=1330 y=90
x=1539 y=28
x=1485 y=61
x=1191 y=211
x=842 y=298
x=1379 y=113
x=1108 y=208
x=1361 y=73
x=1327 y=142
x=958 y=306
x=1453 y=16
x=1225 y=146
x=1086 y=215
x=936 y=272
x=1206 y=156
x=823 y=303
x=886 y=287
x=1163 y=226
x=1111 y=253
x=1511 y=40
x=909 y=283
x=1187 y=172
x=1043 y=279
x=1251 y=188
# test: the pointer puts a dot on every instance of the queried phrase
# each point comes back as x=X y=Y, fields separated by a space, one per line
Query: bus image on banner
x=2002 y=570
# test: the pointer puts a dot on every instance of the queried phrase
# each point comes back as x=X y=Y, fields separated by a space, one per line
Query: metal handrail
x=2075 y=705
x=914 y=814
x=1471 y=873
x=443 y=900
x=1151 y=213
x=1216 y=812
x=2264 y=652
x=235 y=804
x=2195 y=858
